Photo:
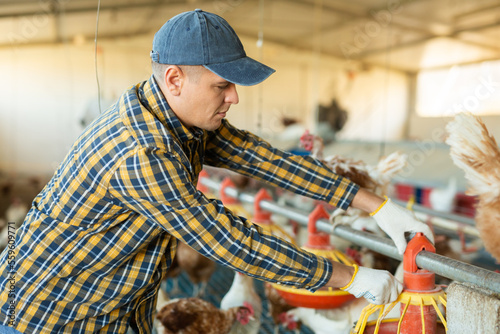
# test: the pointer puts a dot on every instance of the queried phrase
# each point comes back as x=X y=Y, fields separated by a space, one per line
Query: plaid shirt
x=101 y=235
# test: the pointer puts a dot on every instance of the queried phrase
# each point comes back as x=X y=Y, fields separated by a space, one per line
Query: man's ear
x=174 y=79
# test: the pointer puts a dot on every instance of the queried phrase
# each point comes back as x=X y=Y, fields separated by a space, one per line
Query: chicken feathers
x=195 y=316
x=476 y=152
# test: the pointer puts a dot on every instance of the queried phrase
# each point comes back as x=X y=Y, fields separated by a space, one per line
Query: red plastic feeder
x=391 y=327
x=260 y=216
x=263 y=218
x=229 y=202
x=419 y=300
x=318 y=243
x=201 y=187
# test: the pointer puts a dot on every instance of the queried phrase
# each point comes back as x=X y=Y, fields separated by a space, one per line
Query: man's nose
x=232 y=95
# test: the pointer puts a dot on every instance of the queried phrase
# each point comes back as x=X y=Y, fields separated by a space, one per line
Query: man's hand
x=376 y=286
x=396 y=220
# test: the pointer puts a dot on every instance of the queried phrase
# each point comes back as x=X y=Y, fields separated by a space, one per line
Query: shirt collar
x=153 y=99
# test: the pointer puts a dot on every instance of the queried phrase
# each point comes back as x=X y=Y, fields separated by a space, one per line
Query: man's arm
x=157 y=186
x=250 y=155
x=366 y=201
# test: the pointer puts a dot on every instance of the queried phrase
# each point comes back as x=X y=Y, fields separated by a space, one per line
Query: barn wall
x=48 y=89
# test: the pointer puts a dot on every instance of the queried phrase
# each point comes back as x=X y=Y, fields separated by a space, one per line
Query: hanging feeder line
x=441 y=265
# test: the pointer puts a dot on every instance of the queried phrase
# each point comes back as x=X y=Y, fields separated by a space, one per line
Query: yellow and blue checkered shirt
x=100 y=236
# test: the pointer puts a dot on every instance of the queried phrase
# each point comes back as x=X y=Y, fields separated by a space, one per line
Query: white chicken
x=443 y=199
x=476 y=152
x=242 y=292
x=313 y=144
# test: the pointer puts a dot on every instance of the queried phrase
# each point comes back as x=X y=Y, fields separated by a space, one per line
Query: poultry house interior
x=400 y=97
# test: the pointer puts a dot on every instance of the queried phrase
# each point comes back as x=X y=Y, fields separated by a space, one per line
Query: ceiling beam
x=73 y=9
x=453 y=35
x=422 y=27
x=476 y=11
x=101 y=37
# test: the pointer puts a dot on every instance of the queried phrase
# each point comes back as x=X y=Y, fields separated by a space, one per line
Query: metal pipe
x=441 y=265
x=449 y=225
x=459 y=271
x=444 y=215
x=448 y=221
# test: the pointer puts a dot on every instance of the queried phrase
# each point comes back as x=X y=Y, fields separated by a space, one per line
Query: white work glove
x=396 y=220
x=376 y=286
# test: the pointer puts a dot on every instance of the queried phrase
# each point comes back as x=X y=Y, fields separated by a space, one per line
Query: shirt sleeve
x=158 y=186
x=245 y=153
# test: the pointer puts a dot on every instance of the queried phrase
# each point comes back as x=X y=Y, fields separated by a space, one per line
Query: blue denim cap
x=202 y=38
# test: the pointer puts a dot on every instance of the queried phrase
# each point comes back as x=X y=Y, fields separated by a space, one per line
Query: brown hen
x=476 y=152
x=196 y=316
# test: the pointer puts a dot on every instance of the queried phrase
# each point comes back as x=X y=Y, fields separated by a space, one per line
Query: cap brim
x=244 y=71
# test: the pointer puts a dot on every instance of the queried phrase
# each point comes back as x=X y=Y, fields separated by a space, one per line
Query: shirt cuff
x=319 y=276
x=343 y=193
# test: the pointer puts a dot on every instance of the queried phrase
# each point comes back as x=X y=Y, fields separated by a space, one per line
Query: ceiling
x=400 y=34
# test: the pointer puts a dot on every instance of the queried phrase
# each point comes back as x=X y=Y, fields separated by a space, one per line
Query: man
x=100 y=236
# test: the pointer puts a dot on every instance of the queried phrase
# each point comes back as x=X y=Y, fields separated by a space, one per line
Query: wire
x=260 y=45
x=386 y=89
x=95 y=57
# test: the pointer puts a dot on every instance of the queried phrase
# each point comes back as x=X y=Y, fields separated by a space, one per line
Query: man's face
x=206 y=100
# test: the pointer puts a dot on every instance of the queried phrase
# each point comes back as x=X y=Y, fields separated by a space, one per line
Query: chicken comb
x=249 y=307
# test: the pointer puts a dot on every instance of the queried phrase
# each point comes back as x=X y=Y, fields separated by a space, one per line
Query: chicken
x=456 y=249
x=243 y=291
x=199 y=268
x=173 y=274
x=332 y=321
x=374 y=178
x=4 y=234
x=161 y=301
x=313 y=144
x=278 y=307
x=336 y=321
x=16 y=212
x=459 y=249
x=443 y=199
x=476 y=152
x=195 y=316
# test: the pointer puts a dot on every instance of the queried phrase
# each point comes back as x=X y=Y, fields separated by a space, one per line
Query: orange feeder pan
x=318 y=243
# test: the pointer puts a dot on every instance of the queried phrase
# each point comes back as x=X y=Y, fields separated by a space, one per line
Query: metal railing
x=441 y=265
x=448 y=221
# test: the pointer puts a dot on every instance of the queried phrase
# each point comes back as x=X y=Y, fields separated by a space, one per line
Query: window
x=445 y=92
